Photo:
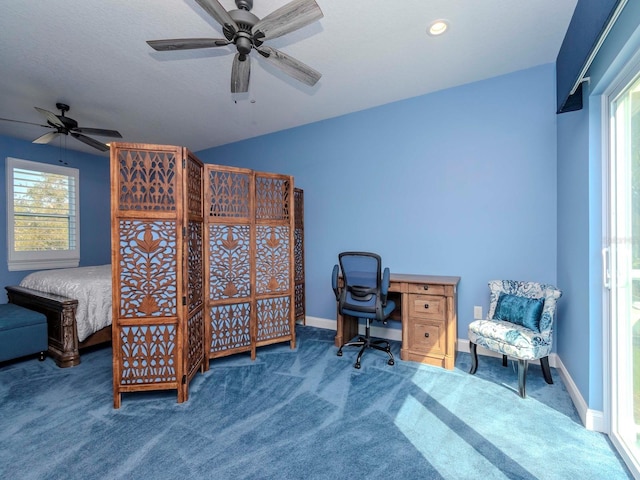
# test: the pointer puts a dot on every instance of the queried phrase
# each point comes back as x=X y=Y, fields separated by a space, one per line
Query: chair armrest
x=334 y=281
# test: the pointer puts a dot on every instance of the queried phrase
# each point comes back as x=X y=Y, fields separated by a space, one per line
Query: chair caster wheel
x=339 y=353
x=357 y=365
x=391 y=362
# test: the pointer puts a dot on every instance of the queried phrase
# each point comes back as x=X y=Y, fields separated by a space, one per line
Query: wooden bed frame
x=60 y=311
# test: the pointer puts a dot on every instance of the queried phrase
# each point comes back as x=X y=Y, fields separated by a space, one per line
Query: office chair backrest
x=362 y=276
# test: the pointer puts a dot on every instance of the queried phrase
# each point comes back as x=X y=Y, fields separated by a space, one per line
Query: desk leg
x=346 y=329
x=406 y=327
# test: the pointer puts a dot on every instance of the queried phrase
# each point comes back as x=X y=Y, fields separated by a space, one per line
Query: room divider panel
x=157 y=268
x=249 y=240
x=299 y=255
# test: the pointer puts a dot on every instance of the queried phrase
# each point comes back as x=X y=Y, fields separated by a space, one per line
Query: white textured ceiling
x=92 y=55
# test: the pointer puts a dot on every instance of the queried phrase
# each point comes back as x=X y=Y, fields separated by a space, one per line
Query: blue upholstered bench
x=22 y=332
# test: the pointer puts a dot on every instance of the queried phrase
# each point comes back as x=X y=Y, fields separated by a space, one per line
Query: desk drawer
x=425 y=289
x=427 y=337
x=427 y=307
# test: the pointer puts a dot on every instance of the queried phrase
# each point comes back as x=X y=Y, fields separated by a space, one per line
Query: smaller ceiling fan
x=245 y=31
x=68 y=126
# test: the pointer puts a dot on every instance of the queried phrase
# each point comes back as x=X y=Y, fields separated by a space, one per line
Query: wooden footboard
x=60 y=311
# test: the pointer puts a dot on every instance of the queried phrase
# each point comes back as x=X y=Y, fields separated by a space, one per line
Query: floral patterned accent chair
x=519 y=325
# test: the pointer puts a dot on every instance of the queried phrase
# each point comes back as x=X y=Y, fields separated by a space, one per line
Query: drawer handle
x=426 y=305
x=426 y=287
x=426 y=334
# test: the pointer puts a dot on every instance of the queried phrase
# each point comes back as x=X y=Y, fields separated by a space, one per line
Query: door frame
x=621 y=81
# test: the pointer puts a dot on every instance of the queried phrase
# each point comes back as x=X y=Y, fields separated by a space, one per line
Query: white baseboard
x=591 y=419
x=378 y=332
x=320 y=323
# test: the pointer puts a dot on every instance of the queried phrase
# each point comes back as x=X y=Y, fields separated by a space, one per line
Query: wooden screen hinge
x=184 y=379
x=184 y=231
x=184 y=163
x=184 y=300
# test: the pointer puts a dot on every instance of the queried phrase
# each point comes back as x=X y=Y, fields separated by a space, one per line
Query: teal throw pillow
x=520 y=310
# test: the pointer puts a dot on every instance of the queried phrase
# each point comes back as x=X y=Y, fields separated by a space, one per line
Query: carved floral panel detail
x=272 y=259
x=299 y=300
x=147 y=354
x=272 y=198
x=194 y=187
x=229 y=261
x=230 y=326
x=298 y=208
x=195 y=333
x=196 y=266
x=148 y=279
x=147 y=180
x=228 y=194
x=273 y=318
x=298 y=253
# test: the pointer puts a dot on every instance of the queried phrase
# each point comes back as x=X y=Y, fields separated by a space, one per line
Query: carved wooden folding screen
x=249 y=260
x=299 y=254
x=157 y=265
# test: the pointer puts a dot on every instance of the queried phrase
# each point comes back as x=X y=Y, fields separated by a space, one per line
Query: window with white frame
x=43 y=218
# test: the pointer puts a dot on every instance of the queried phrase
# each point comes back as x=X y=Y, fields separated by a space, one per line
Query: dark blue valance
x=590 y=22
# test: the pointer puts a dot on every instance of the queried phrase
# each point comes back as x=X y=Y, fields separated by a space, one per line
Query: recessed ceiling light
x=438 y=27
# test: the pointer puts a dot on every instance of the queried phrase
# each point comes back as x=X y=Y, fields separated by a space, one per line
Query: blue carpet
x=297 y=414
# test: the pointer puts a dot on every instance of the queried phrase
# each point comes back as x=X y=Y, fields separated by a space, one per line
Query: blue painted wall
x=580 y=222
x=572 y=326
x=459 y=182
x=95 y=220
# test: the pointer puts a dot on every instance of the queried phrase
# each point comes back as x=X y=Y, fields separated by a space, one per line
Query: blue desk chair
x=363 y=295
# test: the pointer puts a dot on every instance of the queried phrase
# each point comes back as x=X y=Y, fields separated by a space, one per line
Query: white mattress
x=91 y=286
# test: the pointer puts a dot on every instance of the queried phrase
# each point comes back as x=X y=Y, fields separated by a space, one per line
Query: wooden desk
x=427 y=306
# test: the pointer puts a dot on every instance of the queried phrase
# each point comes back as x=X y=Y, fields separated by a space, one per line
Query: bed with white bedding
x=77 y=302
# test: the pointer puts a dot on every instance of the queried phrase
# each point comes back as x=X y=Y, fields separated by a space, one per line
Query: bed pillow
x=520 y=310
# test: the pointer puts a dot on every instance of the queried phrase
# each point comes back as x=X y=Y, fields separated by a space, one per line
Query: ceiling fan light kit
x=247 y=32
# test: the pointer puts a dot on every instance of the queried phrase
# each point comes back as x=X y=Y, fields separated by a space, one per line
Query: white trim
x=611 y=417
x=591 y=419
x=321 y=323
x=378 y=332
x=606 y=257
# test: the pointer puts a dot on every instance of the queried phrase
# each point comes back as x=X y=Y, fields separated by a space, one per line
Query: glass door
x=624 y=218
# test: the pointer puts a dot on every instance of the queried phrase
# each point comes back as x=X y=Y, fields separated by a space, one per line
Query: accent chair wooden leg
x=546 y=371
x=522 y=377
x=474 y=358
x=504 y=360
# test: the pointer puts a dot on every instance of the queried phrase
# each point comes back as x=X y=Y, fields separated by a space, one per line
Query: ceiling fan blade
x=187 y=43
x=290 y=17
x=28 y=123
x=290 y=66
x=98 y=131
x=51 y=117
x=217 y=11
x=240 y=72
x=90 y=141
x=47 y=137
